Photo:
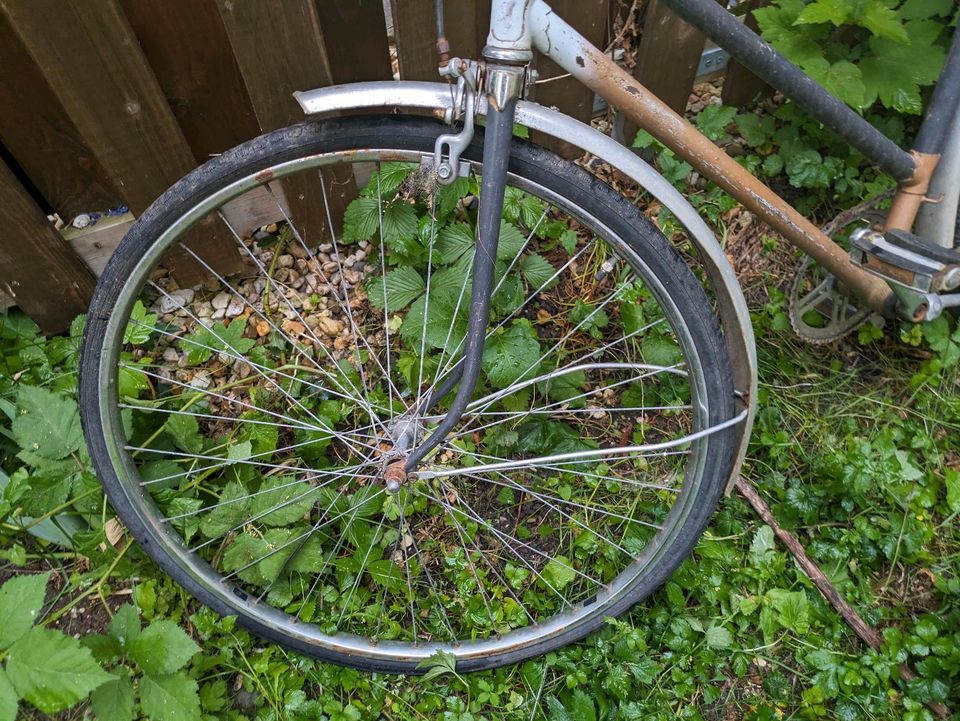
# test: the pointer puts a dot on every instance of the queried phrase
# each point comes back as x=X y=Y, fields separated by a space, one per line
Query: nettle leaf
x=401 y=287
x=21 y=599
x=8 y=699
x=538 y=272
x=51 y=670
x=113 y=701
x=125 y=624
x=559 y=572
x=510 y=354
x=261 y=557
x=228 y=512
x=162 y=648
x=48 y=424
x=140 y=325
x=282 y=500
x=719 y=637
x=184 y=431
x=170 y=698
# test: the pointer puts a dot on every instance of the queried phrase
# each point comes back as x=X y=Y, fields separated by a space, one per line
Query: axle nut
x=394 y=476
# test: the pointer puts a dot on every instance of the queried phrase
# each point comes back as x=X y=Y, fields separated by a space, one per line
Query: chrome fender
x=438 y=98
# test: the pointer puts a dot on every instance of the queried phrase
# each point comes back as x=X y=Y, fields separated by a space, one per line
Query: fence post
x=296 y=59
x=741 y=87
x=40 y=136
x=93 y=63
x=189 y=52
x=37 y=268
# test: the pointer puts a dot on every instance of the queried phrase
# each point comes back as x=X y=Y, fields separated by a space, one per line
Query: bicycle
x=490 y=407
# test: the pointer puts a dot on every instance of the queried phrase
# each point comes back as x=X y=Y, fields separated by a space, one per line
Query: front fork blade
x=496 y=160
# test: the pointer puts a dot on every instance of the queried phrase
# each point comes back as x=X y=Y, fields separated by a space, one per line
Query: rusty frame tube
x=553 y=37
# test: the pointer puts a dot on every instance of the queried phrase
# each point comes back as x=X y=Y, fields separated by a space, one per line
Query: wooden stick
x=865 y=631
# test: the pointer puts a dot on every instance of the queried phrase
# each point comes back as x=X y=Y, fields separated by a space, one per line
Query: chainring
x=815 y=293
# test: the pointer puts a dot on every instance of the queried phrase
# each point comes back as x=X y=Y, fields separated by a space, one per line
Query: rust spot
x=395 y=472
x=632 y=90
x=580 y=61
x=264 y=175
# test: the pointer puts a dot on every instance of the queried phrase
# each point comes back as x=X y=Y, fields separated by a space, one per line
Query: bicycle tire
x=593 y=200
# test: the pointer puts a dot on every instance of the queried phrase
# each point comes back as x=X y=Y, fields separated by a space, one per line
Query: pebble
x=330 y=326
x=170 y=355
x=218 y=314
x=200 y=380
x=285 y=261
x=325 y=248
x=234 y=308
x=329 y=267
x=173 y=301
x=352 y=276
x=221 y=301
x=205 y=309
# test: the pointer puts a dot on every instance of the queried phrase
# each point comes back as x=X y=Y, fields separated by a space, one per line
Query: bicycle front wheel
x=243 y=428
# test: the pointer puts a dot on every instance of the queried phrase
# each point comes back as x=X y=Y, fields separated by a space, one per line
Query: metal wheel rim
x=350 y=644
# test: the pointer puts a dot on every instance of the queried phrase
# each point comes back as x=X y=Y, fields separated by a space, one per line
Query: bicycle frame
x=520 y=26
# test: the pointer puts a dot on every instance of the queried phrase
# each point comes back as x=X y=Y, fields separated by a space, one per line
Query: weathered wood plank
x=741 y=87
x=37 y=268
x=466 y=23
x=355 y=35
x=589 y=18
x=43 y=140
x=90 y=57
x=295 y=59
x=188 y=50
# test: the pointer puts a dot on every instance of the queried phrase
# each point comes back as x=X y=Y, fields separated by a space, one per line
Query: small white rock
x=221 y=301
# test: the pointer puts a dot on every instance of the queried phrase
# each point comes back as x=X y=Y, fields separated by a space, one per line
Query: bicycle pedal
x=906 y=259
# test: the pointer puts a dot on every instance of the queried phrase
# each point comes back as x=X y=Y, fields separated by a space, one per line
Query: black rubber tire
x=404 y=133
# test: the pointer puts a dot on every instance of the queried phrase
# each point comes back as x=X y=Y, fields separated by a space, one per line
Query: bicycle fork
x=503 y=85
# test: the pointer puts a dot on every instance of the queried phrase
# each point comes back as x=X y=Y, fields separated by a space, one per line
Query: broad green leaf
x=184 y=430
x=511 y=242
x=361 y=219
x=260 y=559
x=8 y=699
x=841 y=78
x=229 y=511
x=777 y=24
x=924 y=9
x=510 y=354
x=566 y=386
x=283 y=501
x=21 y=599
x=718 y=637
x=713 y=120
x=389 y=178
x=401 y=287
x=762 y=545
x=454 y=241
x=47 y=424
x=125 y=624
x=440 y=663
x=894 y=73
x=559 y=572
x=201 y=344
x=442 y=304
x=170 y=698
x=793 y=609
x=113 y=701
x=825 y=11
x=51 y=670
x=399 y=224
x=883 y=22
x=140 y=325
x=162 y=648
x=537 y=271
x=582 y=708
x=952 y=478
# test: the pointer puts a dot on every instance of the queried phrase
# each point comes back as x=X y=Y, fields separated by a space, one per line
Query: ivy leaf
x=20 y=601
x=113 y=701
x=170 y=698
x=537 y=271
x=401 y=287
x=559 y=572
x=46 y=423
x=8 y=699
x=511 y=354
x=162 y=648
x=51 y=670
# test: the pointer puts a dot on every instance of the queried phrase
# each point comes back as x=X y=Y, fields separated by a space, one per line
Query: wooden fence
x=105 y=103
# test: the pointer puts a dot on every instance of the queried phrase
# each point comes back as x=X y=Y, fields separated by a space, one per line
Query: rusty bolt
x=394 y=476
